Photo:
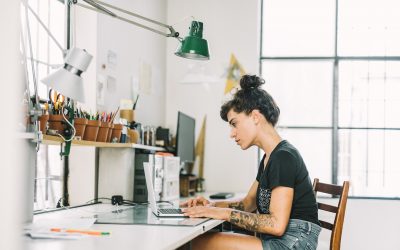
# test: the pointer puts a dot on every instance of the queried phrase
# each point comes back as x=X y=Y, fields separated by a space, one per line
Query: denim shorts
x=299 y=234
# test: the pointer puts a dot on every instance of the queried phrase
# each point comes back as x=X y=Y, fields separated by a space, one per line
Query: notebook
x=159 y=212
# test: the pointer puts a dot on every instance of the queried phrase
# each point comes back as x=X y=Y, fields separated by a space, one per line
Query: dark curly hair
x=250 y=97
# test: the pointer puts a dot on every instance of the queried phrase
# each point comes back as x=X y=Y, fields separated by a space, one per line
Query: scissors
x=56 y=100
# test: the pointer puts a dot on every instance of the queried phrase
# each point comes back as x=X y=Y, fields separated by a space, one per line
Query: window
x=298 y=28
x=333 y=68
x=44 y=54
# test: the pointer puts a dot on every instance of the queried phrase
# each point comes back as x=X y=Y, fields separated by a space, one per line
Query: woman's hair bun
x=251 y=82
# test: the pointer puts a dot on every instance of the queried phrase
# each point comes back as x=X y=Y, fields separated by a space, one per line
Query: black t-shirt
x=285 y=167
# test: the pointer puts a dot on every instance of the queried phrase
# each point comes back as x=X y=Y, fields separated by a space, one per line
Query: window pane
x=369 y=159
x=48 y=177
x=319 y=164
x=298 y=28
x=369 y=94
x=48 y=187
x=56 y=26
x=44 y=49
x=369 y=27
x=302 y=90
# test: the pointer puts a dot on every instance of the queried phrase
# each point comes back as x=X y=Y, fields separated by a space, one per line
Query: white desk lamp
x=67 y=80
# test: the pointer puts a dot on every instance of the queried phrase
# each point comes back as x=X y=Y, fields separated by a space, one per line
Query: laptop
x=159 y=212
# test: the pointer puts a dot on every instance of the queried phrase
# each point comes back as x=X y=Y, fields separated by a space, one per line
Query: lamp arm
x=53 y=66
x=34 y=108
x=97 y=7
x=24 y=56
x=47 y=30
x=35 y=85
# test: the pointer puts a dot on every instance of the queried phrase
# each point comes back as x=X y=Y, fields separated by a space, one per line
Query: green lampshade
x=194 y=46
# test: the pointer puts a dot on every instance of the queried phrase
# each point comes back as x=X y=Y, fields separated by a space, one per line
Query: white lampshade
x=68 y=80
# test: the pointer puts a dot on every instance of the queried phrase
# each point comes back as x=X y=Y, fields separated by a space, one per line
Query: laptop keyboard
x=170 y=210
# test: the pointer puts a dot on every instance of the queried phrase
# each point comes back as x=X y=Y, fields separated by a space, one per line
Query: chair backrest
x=339 y=210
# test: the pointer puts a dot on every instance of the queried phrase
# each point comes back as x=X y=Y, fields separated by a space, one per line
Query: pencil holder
x=116 y=133
x=110 y=132
x=91 y=130
x=57 y=122
x=43 y=123
x=103 y=132
x=80 y=126
x=133 y=135
x=128 y=114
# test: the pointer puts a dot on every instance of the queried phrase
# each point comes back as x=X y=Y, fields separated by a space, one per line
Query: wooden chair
x=337 y=226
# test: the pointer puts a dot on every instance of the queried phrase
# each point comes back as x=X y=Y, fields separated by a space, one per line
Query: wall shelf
x=56 y=140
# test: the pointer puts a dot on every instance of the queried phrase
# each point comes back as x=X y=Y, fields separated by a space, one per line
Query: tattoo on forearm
x=237 y=205
x=250 y=221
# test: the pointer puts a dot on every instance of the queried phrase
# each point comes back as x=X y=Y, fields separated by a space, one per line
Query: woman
x=282 y=193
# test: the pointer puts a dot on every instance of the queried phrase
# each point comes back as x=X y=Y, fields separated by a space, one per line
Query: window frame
x=45 y=181
x=335 y=94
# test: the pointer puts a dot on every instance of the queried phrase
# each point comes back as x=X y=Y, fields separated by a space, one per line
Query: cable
x=128 y=203
x=142 y=203
x=160 y=202
x=102 y=198
x=70 y=124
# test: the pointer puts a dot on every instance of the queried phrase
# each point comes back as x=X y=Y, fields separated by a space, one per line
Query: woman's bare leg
x=226 y=241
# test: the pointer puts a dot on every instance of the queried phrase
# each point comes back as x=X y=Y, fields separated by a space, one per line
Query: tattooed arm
x=274 y=223
x=247 y=204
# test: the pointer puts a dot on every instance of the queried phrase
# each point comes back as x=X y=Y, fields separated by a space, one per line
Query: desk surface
x=151 y=237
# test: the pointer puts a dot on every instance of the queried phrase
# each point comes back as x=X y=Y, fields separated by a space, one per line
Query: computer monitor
x=185 y=138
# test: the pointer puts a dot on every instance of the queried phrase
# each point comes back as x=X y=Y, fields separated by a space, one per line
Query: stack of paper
x=43 y=228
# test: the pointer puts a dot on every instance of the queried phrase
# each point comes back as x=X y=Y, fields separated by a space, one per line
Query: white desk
x=143 y=237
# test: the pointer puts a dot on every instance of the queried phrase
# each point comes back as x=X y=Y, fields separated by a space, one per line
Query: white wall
x=134 y=47
x=369 y=224
x=116 y=172
x=82 y=159
x=230 y=27
x=13 y=170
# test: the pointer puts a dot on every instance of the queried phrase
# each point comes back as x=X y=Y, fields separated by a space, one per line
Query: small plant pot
x=116 y=133
x=109 y=133
x=57 y=122
x=43 y=119
x=103 y=132
x=80 y=126
x=91 y=130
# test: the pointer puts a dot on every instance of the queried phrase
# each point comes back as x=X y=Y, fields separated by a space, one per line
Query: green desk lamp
x=194 y=46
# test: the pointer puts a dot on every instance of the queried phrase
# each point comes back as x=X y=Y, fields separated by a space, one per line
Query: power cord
x=128 y=202
x=168 y=202
x=102 y=198
x=119 y=200
x=70 y=124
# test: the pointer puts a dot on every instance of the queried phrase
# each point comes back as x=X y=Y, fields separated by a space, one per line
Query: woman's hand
x=198 y=201
x=207 y=211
